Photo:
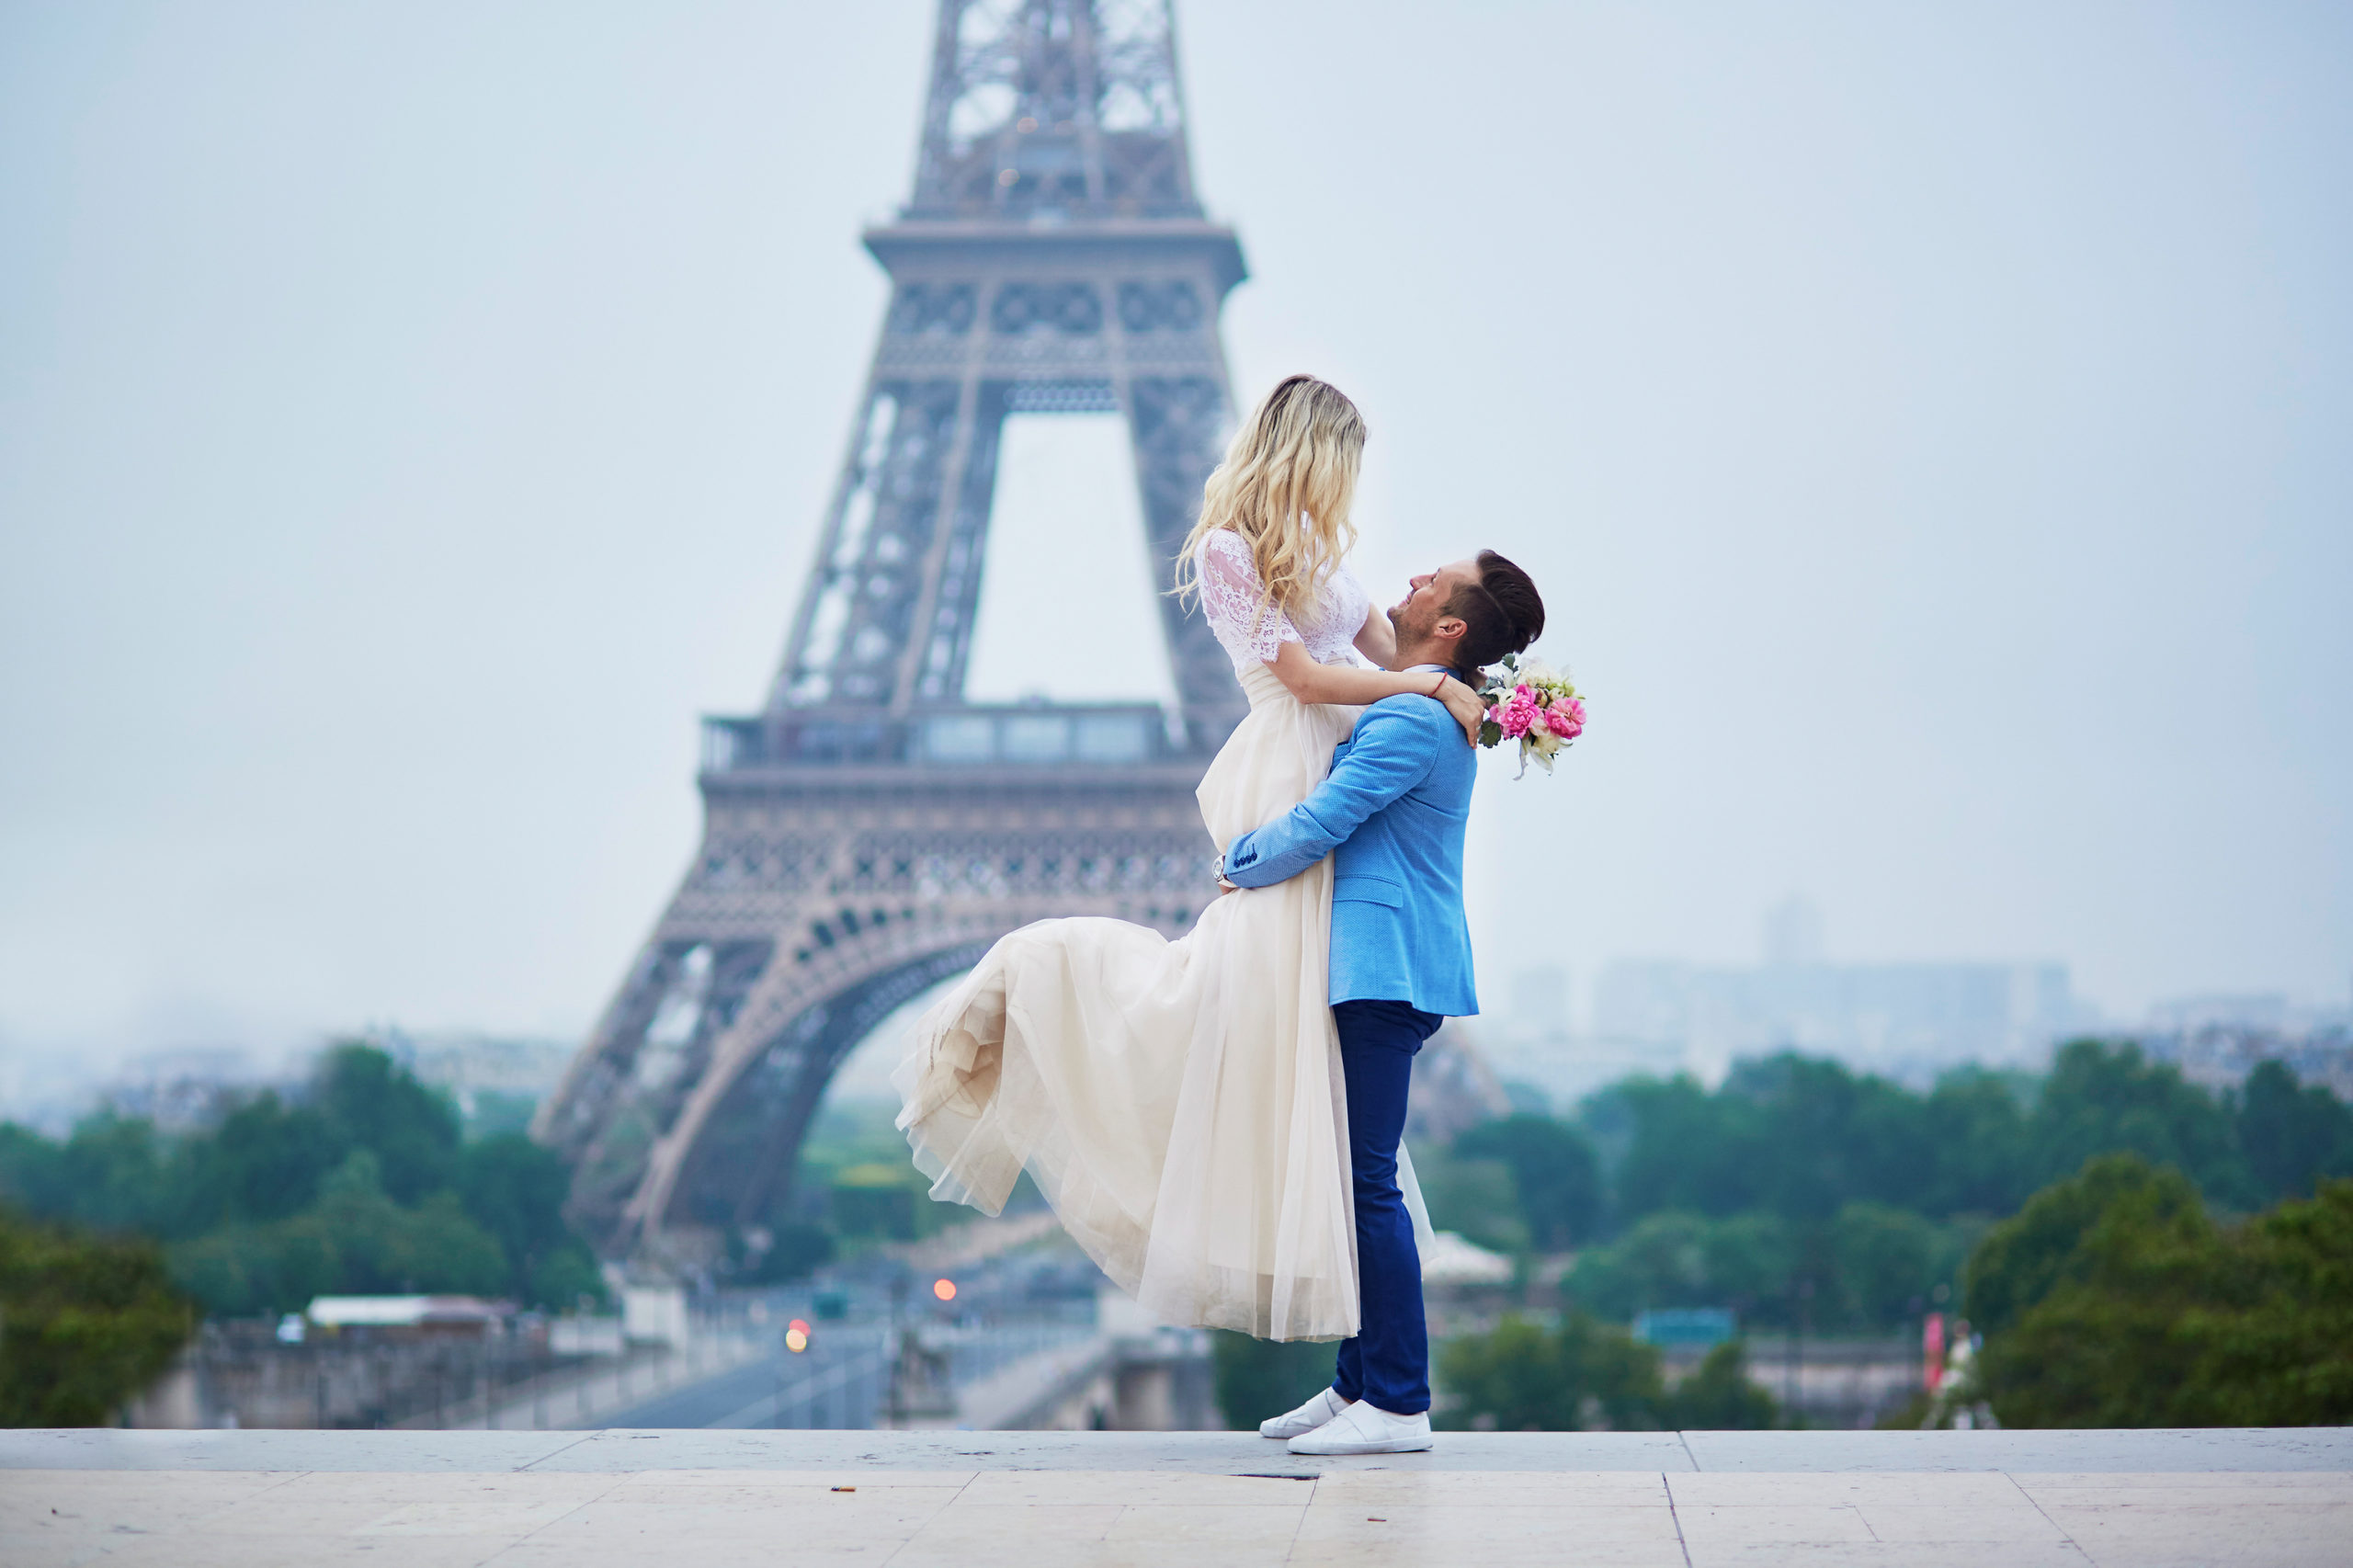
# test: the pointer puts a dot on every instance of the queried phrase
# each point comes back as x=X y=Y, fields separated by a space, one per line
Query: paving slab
x=2268 y=1499
x=2147 y=1451
x=108 y=1449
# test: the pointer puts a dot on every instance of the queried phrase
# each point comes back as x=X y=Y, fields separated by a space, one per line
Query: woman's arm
x=1376 y=638
x=1311 y=682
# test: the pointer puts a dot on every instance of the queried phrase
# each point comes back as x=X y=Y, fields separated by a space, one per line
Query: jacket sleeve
x=1390 y=754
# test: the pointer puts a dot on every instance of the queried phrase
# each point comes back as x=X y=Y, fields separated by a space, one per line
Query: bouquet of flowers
x=1530 y=703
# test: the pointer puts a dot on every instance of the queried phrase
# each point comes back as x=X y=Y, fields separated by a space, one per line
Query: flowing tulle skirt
x=1179 y=1103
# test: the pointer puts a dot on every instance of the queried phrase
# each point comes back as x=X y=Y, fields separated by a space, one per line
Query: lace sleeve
x=1230 y=591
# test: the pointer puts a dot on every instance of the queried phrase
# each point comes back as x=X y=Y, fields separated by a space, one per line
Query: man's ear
x=1449 y=628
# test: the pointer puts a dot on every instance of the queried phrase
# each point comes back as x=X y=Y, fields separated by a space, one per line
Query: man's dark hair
x=1501 y=614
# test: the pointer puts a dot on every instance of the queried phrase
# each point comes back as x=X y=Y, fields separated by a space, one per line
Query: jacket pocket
x=1360 y=888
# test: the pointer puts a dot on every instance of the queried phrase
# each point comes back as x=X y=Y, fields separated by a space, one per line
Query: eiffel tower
x=869 y=833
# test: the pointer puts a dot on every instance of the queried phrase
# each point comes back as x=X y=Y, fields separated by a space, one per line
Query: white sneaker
x=1361 y=1429
x=1325 y=1404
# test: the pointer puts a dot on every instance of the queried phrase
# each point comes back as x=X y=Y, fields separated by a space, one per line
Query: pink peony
x=1518 y=711
x=1566 y=718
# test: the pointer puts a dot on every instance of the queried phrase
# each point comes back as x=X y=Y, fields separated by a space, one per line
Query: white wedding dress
x=1179 y=1103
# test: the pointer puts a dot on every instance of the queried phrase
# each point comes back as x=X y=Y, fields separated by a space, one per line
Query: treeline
x=2118 y=1298
x=359 y=1183
x=1804 y=1195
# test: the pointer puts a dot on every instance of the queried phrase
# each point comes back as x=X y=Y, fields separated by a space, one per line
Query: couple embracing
x=1218 y=1120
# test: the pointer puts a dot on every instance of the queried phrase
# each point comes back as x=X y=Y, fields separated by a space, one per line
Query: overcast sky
x=1931 y=426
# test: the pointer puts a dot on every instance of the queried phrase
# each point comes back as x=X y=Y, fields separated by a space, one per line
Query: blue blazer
x=1395 y=807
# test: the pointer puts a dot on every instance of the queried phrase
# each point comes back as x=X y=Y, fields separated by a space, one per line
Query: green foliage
x=2278 y=1350
x=354 y=1241
x=2025 y=1258
x=2100 y=1099
x=1555 y=1175
x=1476 y=1198
x=1258 y=1379
x=515 y=1189
x=1688 y=1260
x=1870 y=1268
x=2292 y=1136
x=1803 y=1138
x=1588 y=1375
x=1719 y=1396
x=1885 y=1264
x=86 y=1323
x=2113 y=1300
x=358 y=1184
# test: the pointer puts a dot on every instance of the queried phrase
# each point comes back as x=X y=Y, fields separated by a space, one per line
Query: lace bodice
x=1252 y=634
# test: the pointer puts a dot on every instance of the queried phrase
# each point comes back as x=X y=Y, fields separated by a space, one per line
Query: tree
x=355 y=1240
x=1256 y=1378
x=265 y=1161
x=2279 y=1352
x=1745 y=1262
x=2101 y=1099
x=373 y=1103
x=1553 y=1170
x=1886 y=1262
x=1720 y=1396
x=1511 y=1378
x=1826 y=1136
x=2079 y=1296
x=1976 y=1146
x=1589 y=1376
x=2292 y=1136
x=515 y=1189
x=85 y=1324
x=1476 y=1199
x=1676 y=1147
x=2113 y=1300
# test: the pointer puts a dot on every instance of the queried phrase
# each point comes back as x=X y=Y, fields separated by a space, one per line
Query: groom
x=1392 y=812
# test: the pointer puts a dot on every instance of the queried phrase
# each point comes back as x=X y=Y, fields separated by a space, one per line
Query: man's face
x=1416 y=614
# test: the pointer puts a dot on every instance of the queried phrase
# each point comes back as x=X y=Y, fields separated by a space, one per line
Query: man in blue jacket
x=1392 y=812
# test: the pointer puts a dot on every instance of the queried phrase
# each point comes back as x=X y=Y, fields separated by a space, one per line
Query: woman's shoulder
x=1226 y=545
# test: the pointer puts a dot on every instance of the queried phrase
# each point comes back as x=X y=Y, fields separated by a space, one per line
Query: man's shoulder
x=1408 y=724
x=1409 y=709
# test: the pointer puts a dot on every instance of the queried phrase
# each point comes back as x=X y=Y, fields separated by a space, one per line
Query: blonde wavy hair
x=1286 y=485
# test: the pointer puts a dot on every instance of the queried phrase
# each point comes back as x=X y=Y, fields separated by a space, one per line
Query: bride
x=1179 y=1103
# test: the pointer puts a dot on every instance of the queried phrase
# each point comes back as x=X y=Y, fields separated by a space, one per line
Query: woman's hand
x=1465 y=704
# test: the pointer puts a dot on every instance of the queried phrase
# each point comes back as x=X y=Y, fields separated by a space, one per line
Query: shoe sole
x=1344 y=1450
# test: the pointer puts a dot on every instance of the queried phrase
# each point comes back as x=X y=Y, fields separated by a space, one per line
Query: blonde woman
x=1180 y=1103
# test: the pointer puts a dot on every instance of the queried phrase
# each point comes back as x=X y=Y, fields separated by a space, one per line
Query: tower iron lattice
x=869 y=833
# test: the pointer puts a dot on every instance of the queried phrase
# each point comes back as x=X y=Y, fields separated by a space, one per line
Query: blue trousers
x=1388 y=1363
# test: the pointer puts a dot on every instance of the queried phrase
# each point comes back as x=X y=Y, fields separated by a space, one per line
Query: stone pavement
x=1041 y=1500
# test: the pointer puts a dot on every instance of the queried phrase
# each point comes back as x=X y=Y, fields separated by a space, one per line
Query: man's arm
x=1394 y=746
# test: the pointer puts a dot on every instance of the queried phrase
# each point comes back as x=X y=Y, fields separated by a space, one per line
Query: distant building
x=1906 y=1020
x=496 y=1080
x=180 y=1091
x=2218 y=1040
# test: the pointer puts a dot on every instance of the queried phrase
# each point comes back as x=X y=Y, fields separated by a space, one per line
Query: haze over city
x=1927 y=427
